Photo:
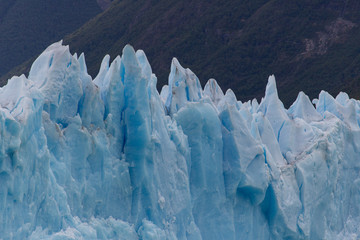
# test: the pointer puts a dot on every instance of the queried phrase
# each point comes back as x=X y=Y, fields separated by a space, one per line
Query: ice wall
x=111 y=158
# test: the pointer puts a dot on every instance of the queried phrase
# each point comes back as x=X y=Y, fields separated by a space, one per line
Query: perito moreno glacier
x=111 y=158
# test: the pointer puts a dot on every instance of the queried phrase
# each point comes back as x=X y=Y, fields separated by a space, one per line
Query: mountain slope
x=27 y=27
x=308 y=45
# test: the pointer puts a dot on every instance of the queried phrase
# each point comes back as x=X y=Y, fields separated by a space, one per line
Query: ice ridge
x=112 y=158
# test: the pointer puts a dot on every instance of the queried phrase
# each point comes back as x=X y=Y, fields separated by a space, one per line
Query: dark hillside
x=193 y=31
x=308 y=45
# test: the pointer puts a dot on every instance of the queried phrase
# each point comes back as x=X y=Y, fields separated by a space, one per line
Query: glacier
x=112 y=158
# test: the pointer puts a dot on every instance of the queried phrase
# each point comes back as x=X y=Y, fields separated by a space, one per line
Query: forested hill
x=309 y=45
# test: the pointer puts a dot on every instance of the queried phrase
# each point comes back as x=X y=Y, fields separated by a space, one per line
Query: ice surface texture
x=111 y=158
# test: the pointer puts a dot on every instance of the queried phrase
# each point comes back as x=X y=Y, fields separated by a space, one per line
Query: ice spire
x=184 y=87
x=303 y=108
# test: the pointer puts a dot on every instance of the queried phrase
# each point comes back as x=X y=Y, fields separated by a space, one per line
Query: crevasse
x=111 y=158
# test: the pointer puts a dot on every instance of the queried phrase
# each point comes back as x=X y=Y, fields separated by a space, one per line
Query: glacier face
x=111 y=158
